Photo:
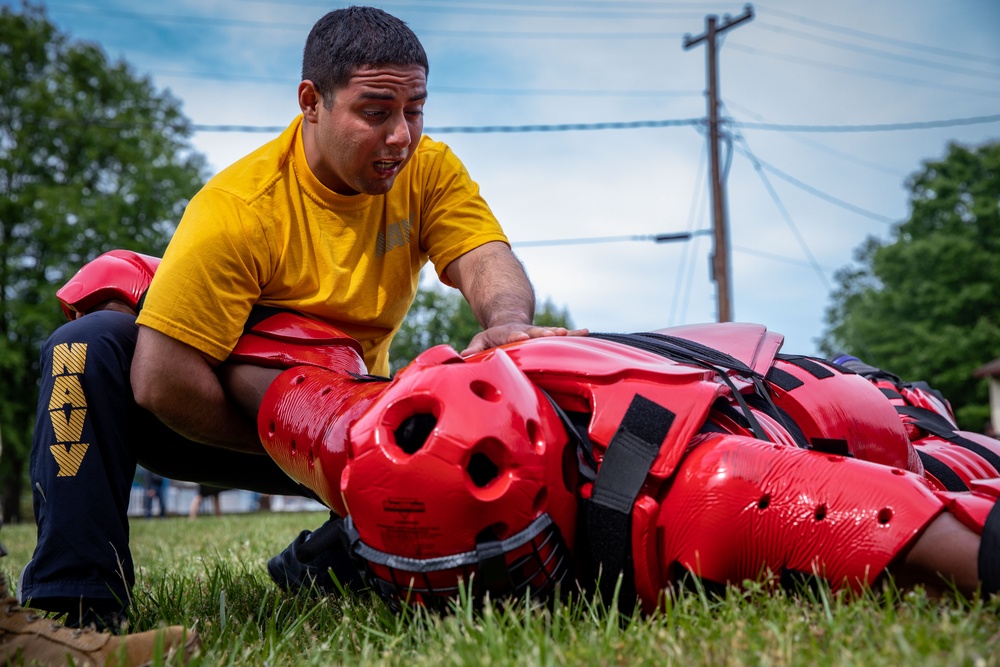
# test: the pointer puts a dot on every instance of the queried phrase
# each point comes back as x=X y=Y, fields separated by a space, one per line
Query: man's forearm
x=498 y=289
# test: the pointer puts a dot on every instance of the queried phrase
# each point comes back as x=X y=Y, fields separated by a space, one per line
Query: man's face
x=370 y=132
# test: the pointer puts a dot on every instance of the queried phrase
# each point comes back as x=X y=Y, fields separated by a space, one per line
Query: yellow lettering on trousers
x=69 y=358
x=69 y=459
x=68 y=407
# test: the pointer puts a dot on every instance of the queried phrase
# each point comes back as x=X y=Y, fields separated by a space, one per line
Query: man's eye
x=373 y=113
x=415 y=113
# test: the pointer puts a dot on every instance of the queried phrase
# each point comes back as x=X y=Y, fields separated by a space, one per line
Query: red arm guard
x=739 y=508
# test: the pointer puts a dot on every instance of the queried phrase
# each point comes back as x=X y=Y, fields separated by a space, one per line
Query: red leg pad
x=303 y=423
x=739 y=508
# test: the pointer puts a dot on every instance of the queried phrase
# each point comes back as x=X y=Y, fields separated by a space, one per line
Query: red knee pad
x=828 y=405
x=738 y=508
x=117 y=274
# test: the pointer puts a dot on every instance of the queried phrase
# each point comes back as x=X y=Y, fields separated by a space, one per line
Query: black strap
x=891 y=394
x=941 y=472
x=934 y=423
x=783 y=379
x=586 y=464
x=623 y=471
x=989 y=553
x=808 y=364
x=690 y=352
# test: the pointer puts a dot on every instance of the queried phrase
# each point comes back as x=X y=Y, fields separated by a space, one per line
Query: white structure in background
x=179 y=495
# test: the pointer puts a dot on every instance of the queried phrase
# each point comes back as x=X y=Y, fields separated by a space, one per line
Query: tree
x=924 y=304
x=440 y=316
x=91 y=158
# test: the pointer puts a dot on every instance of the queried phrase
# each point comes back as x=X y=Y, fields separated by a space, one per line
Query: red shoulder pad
x=117 y=274
x=752 y=344
x=603 y=377
x=288 y=339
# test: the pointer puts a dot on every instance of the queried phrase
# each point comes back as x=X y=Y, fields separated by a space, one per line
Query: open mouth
x=386 y=166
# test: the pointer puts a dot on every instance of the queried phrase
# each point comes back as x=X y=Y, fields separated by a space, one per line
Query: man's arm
x=494 y=283
x=179 y=385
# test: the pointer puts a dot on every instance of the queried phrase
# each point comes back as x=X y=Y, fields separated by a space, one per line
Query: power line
x=446 y=90
x=922 y=48
x=784 y=211
x=487 y=129
x=788 y=58
x=778 y=258
x=817 y=192
x=499 y=11
x=812 y=38
x=850 y=157
x=655 y=238
x=637 y=124
x=877 y=127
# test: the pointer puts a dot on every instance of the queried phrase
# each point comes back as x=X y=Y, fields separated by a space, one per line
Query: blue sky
x=799 y=202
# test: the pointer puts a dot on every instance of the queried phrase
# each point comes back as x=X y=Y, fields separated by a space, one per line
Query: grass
x=210 y=574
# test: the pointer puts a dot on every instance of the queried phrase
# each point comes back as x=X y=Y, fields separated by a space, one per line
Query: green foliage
x=440 y=316
x=91 y=158
x=924 y=304
x=210 y=574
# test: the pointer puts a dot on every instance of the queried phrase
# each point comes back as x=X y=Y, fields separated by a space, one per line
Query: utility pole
x=720 y=225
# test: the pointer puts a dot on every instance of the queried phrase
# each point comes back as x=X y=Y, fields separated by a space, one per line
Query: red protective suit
x=725 y=466
x=695 y=450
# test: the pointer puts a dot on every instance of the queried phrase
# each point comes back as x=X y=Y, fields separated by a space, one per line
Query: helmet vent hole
x=481 y=469
x=485 y=391
x=414 y=431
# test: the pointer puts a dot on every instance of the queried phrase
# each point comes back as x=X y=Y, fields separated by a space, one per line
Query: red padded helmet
x=462 y=472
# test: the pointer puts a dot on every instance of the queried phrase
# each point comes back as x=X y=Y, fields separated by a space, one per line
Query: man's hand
x=494 y=283
x=512 y=333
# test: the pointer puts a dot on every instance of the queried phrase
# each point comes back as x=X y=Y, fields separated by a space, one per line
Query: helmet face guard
x=535 y=560
x=461 y=475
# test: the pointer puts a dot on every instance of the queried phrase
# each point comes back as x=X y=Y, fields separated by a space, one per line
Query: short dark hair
x=348 y=39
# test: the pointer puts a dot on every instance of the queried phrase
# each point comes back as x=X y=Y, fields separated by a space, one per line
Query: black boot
x=317 y=558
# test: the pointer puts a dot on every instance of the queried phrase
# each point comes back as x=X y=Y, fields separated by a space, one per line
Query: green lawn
x=210 y=574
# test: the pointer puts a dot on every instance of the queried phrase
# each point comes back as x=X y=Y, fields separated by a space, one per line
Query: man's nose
x=399 y=132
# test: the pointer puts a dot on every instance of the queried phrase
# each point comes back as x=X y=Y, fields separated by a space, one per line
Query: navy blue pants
x=89 y=435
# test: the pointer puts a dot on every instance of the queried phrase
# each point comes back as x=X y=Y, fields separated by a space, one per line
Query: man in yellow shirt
x=333 y=219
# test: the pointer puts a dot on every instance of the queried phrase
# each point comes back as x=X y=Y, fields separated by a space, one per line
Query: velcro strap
x=934 y=423
x=941 y=471
x=989 y=553
x=623 y=471
x=815 y=369
x=783 y=379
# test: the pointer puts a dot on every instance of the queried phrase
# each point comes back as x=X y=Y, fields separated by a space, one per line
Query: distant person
x=332 y=220
x=206 y=493
x=155 y=490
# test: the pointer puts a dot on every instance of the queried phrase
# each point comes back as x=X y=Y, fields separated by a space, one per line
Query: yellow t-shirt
x=266 y=231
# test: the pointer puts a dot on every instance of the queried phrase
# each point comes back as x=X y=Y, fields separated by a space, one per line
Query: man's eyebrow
x=388 y=97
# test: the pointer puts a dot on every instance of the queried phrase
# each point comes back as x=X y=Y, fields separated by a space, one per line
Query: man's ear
x=309 y=100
